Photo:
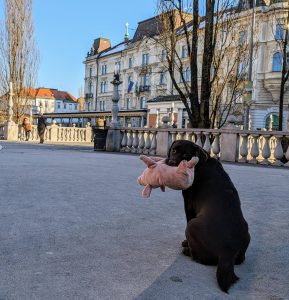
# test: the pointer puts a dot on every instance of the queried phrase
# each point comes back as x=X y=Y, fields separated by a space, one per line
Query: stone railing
x=1 y=132
x=55 y=133
x=227 y=144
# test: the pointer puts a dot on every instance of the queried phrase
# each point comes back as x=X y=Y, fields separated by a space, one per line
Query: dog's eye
x=174 y=151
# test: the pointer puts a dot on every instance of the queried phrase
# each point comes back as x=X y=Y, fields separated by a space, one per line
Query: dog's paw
x=185 y=244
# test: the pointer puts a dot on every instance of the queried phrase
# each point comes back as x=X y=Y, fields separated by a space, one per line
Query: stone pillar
x=180 y=117
x=10 y=128
x=229 y=142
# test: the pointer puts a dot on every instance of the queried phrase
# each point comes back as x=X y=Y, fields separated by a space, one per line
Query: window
x=90 y=72
x=279 y=33
x=75 y=106
x=241 y=69
x=142 y=102
x=163 y=57
x=58 y=105
x=130 y=65
x=187 y=74
x=145 y=59
x=117 y=66
x=272 y=122
x=184 y=51
x=102 y=105
x=103 y=69
x=90 y=87
x=277 y=62
x=128 y=103
x=146 y=79
x=88 y=106
x=46 y=104
x=242 y=38
x=162 y=77
x=64 y=105
x=103 y=87
x=70 y=106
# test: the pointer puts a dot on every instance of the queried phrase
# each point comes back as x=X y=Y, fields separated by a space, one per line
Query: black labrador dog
x=216 y=233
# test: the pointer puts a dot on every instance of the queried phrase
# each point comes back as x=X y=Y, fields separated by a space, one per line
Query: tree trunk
x=206 y=67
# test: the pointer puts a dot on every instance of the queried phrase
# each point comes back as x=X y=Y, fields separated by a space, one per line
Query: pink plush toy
x=158 y=174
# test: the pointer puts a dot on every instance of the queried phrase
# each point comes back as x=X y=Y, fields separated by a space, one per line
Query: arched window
x=277 y=62
x=272 y=122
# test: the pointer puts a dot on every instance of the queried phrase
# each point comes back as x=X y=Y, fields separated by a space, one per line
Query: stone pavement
x=74 y=226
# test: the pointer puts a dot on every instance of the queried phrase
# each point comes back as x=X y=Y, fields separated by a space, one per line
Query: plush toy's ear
x=148 y=161
x=191 y=163
x=182 y=167
x=147 y=191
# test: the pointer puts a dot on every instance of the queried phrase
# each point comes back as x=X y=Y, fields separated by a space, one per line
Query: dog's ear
x=201 y=153
x=169 y=152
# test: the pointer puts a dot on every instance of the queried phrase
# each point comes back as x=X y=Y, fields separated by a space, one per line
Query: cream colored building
x=147 y=93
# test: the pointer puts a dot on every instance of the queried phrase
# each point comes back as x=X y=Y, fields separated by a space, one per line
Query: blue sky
x=65 y=30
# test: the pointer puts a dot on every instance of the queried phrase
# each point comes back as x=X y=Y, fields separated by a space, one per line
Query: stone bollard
x=229 y=141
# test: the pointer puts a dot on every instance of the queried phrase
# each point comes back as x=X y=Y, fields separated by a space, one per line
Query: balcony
x=89 y=96
x=144 y=88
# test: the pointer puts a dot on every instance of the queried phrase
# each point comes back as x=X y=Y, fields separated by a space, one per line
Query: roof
x=47 y=93
x=147 y=28
x=166 y=98
x=117 y=48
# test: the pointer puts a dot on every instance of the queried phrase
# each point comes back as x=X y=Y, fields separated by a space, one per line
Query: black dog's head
x=185 y=150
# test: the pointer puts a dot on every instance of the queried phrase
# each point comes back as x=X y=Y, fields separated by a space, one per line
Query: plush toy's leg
x=147 y=191
x=163 y=188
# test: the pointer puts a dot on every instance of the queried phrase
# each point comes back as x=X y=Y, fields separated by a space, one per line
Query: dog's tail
x=225 y=272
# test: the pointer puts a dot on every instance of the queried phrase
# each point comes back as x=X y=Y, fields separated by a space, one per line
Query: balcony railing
x=144 y=88
x=88 y=95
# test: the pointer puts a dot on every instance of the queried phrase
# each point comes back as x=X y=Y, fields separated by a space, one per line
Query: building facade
x=148 y=90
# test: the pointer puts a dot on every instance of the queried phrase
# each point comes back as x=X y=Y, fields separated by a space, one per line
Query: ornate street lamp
x=115 y=98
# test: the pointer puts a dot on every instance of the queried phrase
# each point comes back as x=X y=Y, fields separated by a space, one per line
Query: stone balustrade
x=55 y=133
x=226 y=144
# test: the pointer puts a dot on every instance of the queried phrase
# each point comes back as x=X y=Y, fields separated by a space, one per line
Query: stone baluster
x=190 y=136
x=129 y=142
x=181 y=135
x=173 y=136
x=278 y=153
x=216 y=145
x=255 y=149
x=135 y=142
x=198 y=139
x=154 y=144
x=244 y=147
x=147 y=143
x=73 y=131
x=266 y=153
x=124 y=141
x=141 y=144
x=287 y=152
x=207 y=145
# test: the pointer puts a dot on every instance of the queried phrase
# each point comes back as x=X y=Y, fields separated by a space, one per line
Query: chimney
x=101 y=44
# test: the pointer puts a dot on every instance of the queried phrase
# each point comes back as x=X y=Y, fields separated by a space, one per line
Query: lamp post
x=115 y=98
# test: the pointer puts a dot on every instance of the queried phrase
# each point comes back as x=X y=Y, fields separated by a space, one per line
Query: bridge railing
x=55 y=133
x=227 y=144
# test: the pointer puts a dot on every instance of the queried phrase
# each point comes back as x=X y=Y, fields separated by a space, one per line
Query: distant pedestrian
x=27 y=128
x=41 y=126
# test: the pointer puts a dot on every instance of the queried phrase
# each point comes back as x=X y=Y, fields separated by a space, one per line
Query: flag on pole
x=130 y=86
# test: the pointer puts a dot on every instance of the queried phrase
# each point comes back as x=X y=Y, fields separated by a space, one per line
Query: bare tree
x=19 y=57
x=207 y=67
